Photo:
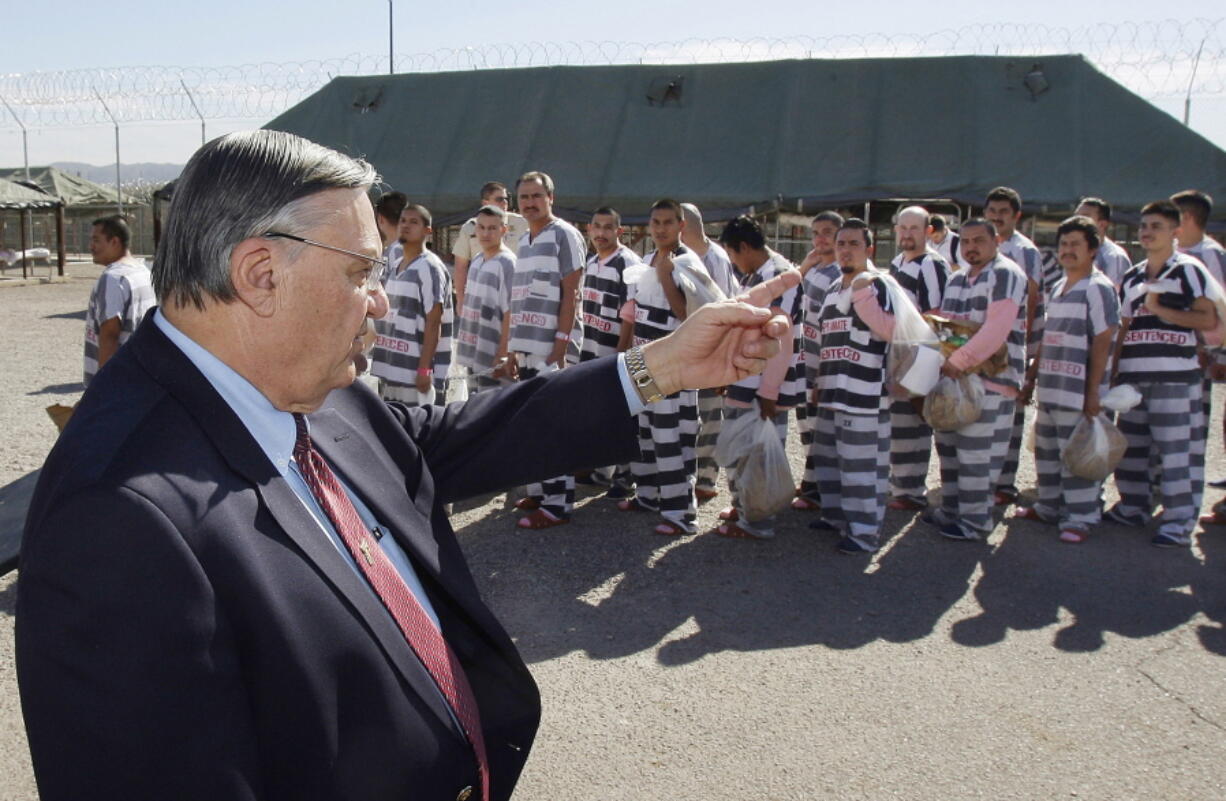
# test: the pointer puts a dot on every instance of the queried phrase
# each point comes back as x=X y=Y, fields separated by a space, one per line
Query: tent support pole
x=60 y=250
x=25 y=247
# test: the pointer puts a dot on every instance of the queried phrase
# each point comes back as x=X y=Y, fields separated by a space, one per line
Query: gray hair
x=693 y=217
x=238 y=186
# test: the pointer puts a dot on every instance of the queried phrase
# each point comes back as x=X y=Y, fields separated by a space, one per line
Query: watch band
x=641 y=376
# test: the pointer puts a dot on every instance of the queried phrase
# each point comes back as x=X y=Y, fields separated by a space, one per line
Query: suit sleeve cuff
x=633 y=402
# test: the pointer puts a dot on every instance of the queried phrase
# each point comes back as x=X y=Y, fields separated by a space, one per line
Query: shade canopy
x=807 y=133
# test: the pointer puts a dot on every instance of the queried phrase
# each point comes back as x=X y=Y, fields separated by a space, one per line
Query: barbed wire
x=1153 y=59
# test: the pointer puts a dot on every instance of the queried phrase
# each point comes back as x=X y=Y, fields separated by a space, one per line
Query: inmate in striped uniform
x=1113 y=261
x=784 y=385
x=1024 y=254
x=971 y=456
x=710 y=403
x=536 y=297
x=817 y=280
x=1160 y=360
x=536 y=301
x=1209 y=253
x=604 y=294
x=720 y=268
x=487 y=299
x=415 y=289
x=668 y=429
x=123 y=290
x=924 y=281
x=852 y=427
x=393 y=254
x=1075 y=316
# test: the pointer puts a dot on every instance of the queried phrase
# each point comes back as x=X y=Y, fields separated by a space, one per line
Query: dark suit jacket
x=186 y=631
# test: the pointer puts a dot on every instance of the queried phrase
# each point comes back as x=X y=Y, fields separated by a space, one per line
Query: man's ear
x=255 y=275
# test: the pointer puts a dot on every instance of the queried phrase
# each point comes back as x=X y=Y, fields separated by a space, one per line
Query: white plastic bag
x=457 y=384
x=764 y=477
x=735 y=438
x=954 y=404
x=914 y=361
x=1121 y=398
x=698 y=287
x=1094 y=449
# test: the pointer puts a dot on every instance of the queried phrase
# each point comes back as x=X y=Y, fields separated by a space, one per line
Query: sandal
x=528 y=503
x=541 y=519
x=734 y=532
x=730 y=514
x=704 y=494
x=1029 y=513
x=905 y=504
x=670 y=529
x=803 y=504
x=1073 y=535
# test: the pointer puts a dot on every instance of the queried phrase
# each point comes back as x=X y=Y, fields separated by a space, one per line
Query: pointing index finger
x=765 y=292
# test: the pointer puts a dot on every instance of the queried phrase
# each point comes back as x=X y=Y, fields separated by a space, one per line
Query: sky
x=230 y=32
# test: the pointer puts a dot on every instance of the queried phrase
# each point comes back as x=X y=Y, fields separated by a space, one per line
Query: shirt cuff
x=633 y=401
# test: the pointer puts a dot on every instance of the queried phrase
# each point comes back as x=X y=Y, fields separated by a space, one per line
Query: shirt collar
x=272 y=428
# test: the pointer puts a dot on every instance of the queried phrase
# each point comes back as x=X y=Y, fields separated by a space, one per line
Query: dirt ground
x=1019 y=668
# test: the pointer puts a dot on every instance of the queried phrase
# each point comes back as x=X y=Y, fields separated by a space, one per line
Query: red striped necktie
x=418 y=629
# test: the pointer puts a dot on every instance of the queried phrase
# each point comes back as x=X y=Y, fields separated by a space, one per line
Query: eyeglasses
x=378 y=264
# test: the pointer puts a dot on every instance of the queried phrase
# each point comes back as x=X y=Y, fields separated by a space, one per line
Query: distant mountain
x=141 y=172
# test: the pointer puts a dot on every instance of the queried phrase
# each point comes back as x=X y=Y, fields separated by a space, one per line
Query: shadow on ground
x=73 y=315
x=608 y=587
x=59 y=389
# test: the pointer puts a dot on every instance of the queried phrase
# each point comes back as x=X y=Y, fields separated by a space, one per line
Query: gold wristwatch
x=643 y=382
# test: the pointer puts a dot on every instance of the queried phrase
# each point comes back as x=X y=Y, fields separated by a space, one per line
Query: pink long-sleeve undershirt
x=987 y=340
x=878 y=320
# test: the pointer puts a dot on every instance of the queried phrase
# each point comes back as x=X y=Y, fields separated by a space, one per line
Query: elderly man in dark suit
x=237 y=579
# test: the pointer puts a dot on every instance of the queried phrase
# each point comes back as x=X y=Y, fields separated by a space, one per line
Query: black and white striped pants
x=970 y=464
x=853 y=467
x=910 y=449
x=665 y=467
x=1070 y=501
x=710 y=420
x=1168 y=423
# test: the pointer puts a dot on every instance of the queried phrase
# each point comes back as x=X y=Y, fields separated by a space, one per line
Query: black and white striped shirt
x=1074 y=318
x=536 y=296
x=487 y=298
x=1209 y=253
x=924 y=278
x=1022 y=251
x=791 y=390
x=851 y=372
x=1155 y=351
x=412 y=293
x=124 y=290
x=968 y=299
x=604 y=294
x=813 y=294
x=1112 y=260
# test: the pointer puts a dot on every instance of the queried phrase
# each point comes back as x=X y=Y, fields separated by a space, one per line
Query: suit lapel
x=373 y=474
x=180 y=377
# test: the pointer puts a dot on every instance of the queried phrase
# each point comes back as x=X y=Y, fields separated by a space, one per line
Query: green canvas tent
x=15 y=196
x=25 y=201
x=72 y=189
x=807 y=133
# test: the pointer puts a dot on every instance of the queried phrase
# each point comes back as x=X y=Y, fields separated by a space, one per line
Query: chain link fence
x=1153 y=59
